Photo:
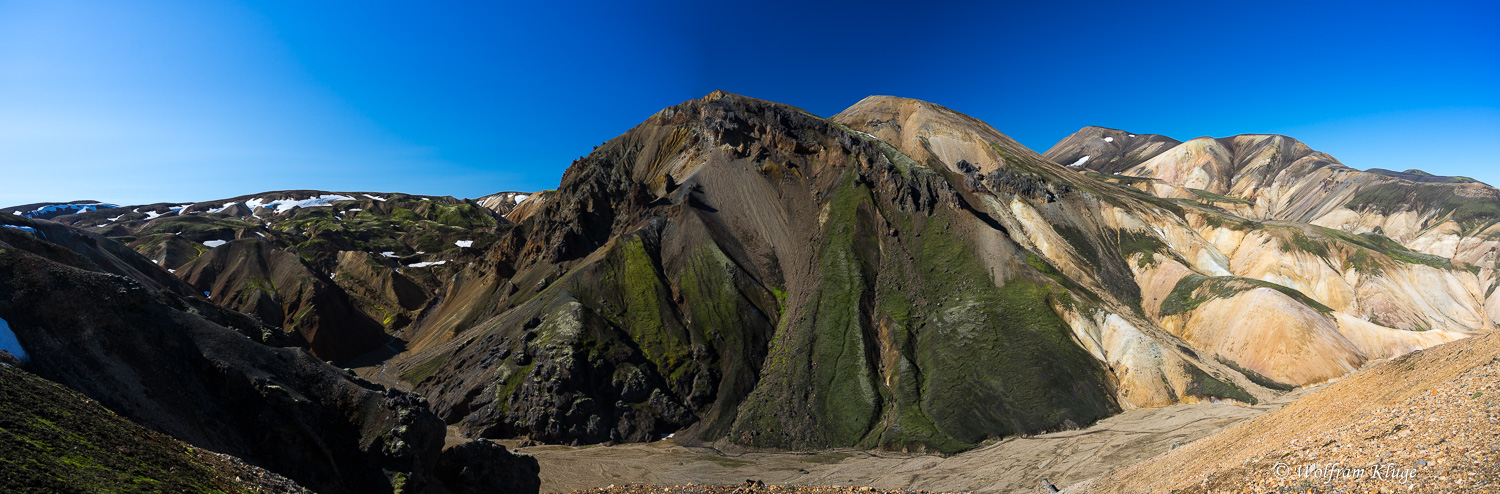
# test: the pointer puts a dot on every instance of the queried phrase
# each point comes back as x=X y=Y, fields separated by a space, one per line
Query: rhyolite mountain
x=1348 y=216
x=899 y=275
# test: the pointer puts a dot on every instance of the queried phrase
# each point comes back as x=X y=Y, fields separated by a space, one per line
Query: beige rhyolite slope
x=1273 y=177
x=1381 y=251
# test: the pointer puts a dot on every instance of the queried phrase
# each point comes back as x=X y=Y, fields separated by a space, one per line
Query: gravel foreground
x=1428 y=422
x=748 y=487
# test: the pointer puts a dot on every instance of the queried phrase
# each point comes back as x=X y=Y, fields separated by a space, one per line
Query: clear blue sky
x=147 y=101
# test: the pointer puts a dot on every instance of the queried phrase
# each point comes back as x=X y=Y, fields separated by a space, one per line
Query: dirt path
x=1013 y=464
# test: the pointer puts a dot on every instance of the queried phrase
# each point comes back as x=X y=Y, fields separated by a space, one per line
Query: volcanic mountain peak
x=928 y=131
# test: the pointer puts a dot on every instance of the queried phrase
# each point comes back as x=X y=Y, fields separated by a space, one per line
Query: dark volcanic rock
x=159 y=358
x=484 y=467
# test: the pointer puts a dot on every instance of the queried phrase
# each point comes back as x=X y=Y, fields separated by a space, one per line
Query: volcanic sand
x=1064 y=458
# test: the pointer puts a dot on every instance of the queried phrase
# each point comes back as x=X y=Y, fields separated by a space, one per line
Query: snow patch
x=425 y=264
x=351 y=210
x=180 y=209
x=1109 y=139
x=284 y=205
x=117 y=218
x=381 y=199
x=65 y=208
x=389 y=254
x=215 y=243
x=520 y=197
x=221 y=209
x=1131 y=135
x=151 y=215
x=464 y=243
x=27 y=229
x=10 y=344
x=1080 y=161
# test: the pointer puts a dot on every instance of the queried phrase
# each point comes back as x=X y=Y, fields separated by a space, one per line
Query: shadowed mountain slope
x=347 y=271
x=54 y=440
x=101 y=319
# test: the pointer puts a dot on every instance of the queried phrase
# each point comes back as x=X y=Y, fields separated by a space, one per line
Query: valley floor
x=1013 y=464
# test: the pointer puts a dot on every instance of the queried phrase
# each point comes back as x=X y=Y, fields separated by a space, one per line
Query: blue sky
x=173 y=101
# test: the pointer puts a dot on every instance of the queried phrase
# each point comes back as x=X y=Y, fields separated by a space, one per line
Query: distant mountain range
x=898 y=276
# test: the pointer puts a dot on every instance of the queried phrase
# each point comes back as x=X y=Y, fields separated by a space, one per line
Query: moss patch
x=1195 y=289
x=1439 y=199
x=424 y=370
x=1202 y=384
x=1144 y=243
x=1256 y=377
x=1212 y=198
x=54 y=440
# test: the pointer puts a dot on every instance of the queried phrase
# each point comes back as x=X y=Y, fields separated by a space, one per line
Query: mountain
x=345 y=271
x=94 y=315
x=740 y=272
x=49 y=210
x=1108 y=151
x=1414 y=218
x=734 y=269
x=1272 y=177
x=902 y=276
